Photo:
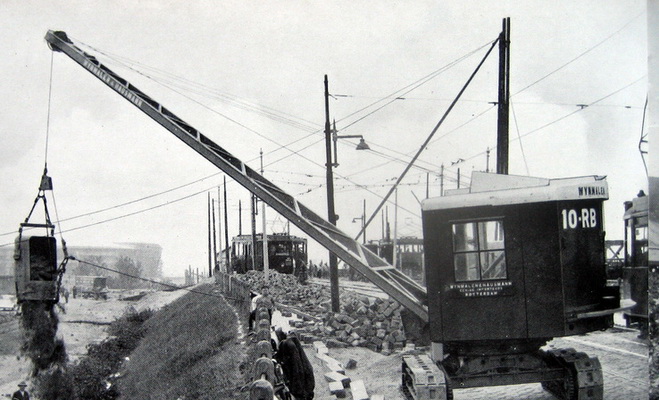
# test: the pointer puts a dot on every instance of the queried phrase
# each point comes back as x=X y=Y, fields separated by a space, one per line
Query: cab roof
x=488 y=189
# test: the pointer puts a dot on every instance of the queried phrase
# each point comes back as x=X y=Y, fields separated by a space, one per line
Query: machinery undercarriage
x=566 y=373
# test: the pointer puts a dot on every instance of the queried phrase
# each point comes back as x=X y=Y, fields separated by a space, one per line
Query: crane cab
x=516 y=260
x=36 y=275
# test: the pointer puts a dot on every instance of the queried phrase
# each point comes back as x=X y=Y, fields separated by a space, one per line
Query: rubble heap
x=368 y=322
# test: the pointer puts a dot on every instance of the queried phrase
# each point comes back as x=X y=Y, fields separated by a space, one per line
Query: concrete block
x=358 y=390
x=336 y=367
x=336 y=377
x=320 y=347
x=337 y=389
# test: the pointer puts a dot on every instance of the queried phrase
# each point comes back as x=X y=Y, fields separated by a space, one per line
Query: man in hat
x=298 y=372
x=21 y=393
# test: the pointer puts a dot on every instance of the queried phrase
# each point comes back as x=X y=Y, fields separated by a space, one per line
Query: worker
x=21 y=393
x=254 y=297
x=298 y=372
x=258 y=300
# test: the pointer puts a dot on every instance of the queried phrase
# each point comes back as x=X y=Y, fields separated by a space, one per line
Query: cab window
x=479 y=251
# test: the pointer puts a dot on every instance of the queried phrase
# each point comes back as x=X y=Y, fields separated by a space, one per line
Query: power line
x=411 y=87
x=150 y=77
x=579 y=56
x=566 y=115
x=210 y=92
x=128 y=202
x=541 y=79
x=129 y=214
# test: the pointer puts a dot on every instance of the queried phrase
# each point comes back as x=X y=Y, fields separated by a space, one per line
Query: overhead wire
x=411 y=87
x=628 y=23
x=132 y=213
x=240 y=124
x=441 y=99
x=407 y=88
x=519 y=136
x=579 y=56
x=228 y=118
x=129 y=202
x=566 y=115
x=423 y=146
x=238 y=102
x=456 y=128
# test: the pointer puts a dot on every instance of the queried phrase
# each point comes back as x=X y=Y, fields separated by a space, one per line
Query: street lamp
x=362 y=145
x=363 y=219
x=330 y=135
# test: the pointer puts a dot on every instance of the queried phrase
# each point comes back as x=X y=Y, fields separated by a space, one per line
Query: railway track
x=365 y=288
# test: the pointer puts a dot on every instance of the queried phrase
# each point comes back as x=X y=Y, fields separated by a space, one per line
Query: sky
x=249 y=75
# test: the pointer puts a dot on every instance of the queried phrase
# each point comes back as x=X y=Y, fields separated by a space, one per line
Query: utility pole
x=487 y=162
x=266 y=260
x=504 y=97
x=441 y=181
x=210 y=272
x=226 y=224
x=210 y=250
x=219 y=230
x=253 y=232
x=394 y=256
x=333 y=265
x=458 y=178
x=240 y=218
x=363 y=222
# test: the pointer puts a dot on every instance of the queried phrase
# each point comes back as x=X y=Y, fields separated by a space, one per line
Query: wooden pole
x=210 y=271
x=333 y=263
x=210 y=249
x=219 y=231
x=226 y=224
x=266 y=260
x=504 y=96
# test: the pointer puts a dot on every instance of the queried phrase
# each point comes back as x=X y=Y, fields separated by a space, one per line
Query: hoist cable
x=643 y=136
x=167 y=285
x=429 y=138
x=519 y=138
x=50 y=91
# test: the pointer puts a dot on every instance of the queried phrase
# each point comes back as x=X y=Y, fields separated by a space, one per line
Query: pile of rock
x=368 y=322
x=372 y=323
x=286 y=289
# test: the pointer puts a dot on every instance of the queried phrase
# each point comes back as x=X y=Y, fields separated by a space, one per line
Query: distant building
x=147 y=255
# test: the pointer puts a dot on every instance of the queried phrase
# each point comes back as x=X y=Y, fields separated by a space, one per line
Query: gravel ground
x=381 y=374
x=81 y=322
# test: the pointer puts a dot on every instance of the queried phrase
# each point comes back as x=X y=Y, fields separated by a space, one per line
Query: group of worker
x=288 y=354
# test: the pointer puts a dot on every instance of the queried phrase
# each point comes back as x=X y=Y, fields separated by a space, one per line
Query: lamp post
x=363 y=219
x=331 y=135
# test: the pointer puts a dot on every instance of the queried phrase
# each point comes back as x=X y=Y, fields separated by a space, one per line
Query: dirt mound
x=190 y=350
